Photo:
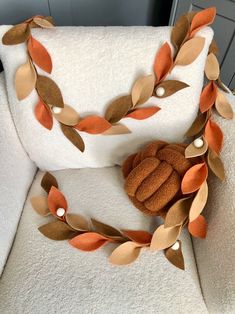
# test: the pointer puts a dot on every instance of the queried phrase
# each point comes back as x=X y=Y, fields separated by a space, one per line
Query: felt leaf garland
x=57 y=230
x=197 y=125
x=117 y=129
x=16 y=35
x=163 y=62
x=39 y=54
x=77 y=222
x=40 y=205
x=214 y=136
x=202 y=19
x=175 y=257
x=212 y=69
x=170 y=87
x=194 y=178
x=143 y=113
x=180 y=31
x=89 y=241
x=67 y=116
x=139 y=236
x=118 y=109
x=199 y=202
x=48 y=181
x=43 y=115
x=223 y=106
x=216 y=164
x=177 y=214
x=190 y=51
x=93 y=125
x=198 y=227
x=42 y=22
x=56 y=200
x=192 y=151
x=125 y=254
x=164 y=237
x=105 y=229
x=208 y=96
x=25 y=80
x=142 y=90
x=73 y=136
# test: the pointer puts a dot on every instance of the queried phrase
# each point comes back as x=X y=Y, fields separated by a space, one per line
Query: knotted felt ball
x=153 y=176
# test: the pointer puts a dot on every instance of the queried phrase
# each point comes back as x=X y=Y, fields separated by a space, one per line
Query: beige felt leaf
x=57 y=230
x=42 y=22
x=125 y=253
x=170 y=87
x=199 y=202
x=25 y=80
x=197 y=125
x=49 y=91
x=117 y=129
x=180 y=31
x=216 y=165
x=67 y=116
x=175 y=257
x=73 y=136
x=164 y=237
x=40 y=205
x=142 y=89
x=190 y=51
x=48 y=180
x=16 y=35
x=105 y=229
x=192 y=151
x=223 y=106
x=118 y=109
x=177 y=214
x=212 y=68
x=77 y=222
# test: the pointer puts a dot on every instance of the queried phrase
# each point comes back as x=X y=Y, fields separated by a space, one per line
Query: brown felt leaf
x=189 y=51
x=175 y=257
x=216 y=165
x=222 y=86
x=213 y=48
x=125 y=253
x=192 y=151
x=73 y=136
x=117 y=129
x=198 y=227
x=67 y=116
x=142 y=89
x=194 y=178
x=197 y=125
x=118 y=109
x=177 y=214
x=202 y=19
x=212 y=68
x=105 y=229
x=16 y=35
x=39 y=54
x=93 y=125
x=223 y=106
x=170 y=87
x=89 y=241
x=40 y=205
x=199 y=202
x=42 y=22
x=77 y=222
x=143 y=113
x=138 y=236
x=164 y=237
x=208 y=96
x=43 y=114
x=57 y=230
x=48 y=180
x=180 y=31
x=49 y=91
x=56 y=200
x=214 y=136
x=25 y=80
x=163 y=62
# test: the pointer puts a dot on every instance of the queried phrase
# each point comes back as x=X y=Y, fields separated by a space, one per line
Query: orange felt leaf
x=163 y=62
x=198 y=227
x=143 y=113
x=208 y=96
x=139 y=236
x=214 y=136
x=89 y=241
x=93 y=125
x=201 y=19
x=39 y=54
x=56 y=200
x=194 y=178
x=43 y=115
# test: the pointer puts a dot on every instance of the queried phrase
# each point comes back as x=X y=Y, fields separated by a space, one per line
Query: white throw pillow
x=92 y=66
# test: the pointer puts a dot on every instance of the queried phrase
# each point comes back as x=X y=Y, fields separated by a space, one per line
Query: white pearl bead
x=198 y=142
x=176 y=246
x=60 y=212
x=56 y=110
x=160 y=91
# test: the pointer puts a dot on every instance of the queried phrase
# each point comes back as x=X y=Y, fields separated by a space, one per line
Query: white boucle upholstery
x=92 y=66
x=44 y=276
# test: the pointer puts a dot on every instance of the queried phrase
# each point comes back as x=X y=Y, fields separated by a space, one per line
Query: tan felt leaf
x=213 y=48
x=48 y=180
x=42 y=22
x=25 y=80
x=49 y=91
x=212 y=68
x=199 y=202
x=223 y=106
x=175 y=257
x=177 y=214
x=125 y=253
x=190 y=51
x=170 y=87
x=180 y=31
x=73 y=136
x=68 y=116
x=142 y=89
x=77 y=222
x=216 y=164
x=118 y=109
x=164 y=237
x=105 y=229
x=16 y=35
x=40 y=205
x=197 y=125
x=57 y=230
x=192 y=151
x=117 y=129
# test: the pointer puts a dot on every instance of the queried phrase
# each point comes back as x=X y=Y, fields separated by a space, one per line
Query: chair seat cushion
x=43 y=274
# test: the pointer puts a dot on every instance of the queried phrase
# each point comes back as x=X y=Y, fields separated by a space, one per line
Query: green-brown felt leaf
x=73 y=136
x=118 y=109
x=57 y=230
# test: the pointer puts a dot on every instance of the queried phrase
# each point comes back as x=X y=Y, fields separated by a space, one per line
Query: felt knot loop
x=153 y=176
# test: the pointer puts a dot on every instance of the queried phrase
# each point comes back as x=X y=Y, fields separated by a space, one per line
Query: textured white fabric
x=16 y=174
x=216 y=254
x=44 y=276
x=92 y=66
